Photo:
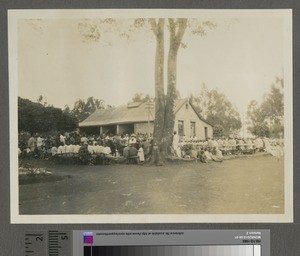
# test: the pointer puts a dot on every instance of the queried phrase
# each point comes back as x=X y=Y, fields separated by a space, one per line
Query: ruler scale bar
x=140 y=243
x=59 y=243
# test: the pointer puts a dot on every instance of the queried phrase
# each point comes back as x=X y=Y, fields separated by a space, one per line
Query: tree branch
x=179 y=35
x=153 y=24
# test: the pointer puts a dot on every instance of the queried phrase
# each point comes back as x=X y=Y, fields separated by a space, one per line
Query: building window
x=193 y=129
x=180 y=128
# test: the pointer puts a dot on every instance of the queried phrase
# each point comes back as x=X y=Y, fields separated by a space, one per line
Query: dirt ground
x=247 y=185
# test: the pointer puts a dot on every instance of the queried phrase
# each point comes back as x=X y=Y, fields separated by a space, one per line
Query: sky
x=240 y=57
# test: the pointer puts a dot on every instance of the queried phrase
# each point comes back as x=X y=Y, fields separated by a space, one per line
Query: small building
x=138 y=117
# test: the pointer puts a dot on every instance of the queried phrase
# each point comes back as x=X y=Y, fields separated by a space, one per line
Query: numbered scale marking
x=51 y=243
x=59 y=243
x=35 y=243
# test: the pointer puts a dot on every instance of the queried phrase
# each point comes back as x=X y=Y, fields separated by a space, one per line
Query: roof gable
x=181 y=102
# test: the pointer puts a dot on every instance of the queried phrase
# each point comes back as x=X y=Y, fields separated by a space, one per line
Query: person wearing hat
x=132 y=139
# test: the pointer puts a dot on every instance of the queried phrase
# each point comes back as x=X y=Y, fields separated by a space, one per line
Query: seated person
x=69 y=148
x=83 y=139
x=76 y=149
x=178 y=151
x=241 y=144
x=130 y=151
x=202 y=156
x=54 y=151
x=249 y=145
x=90 y=147
x=106 y=150
x=99 y=149
x=61 y=149
x=193 y=152
x=207 y=155
x=217 y=155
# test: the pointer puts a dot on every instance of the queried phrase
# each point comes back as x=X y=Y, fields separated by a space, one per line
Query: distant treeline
x=35 y=117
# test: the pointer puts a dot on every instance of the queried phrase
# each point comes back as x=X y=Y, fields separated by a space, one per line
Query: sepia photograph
x=150 y=116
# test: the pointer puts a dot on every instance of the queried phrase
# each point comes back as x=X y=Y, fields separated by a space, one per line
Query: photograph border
x=14 y=15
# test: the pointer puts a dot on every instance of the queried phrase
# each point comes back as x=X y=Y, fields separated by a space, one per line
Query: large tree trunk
x=158 y=29
x=175 y=41
x=170 y=100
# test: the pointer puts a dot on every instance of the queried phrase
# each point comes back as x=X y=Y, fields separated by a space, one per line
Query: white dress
x=141 y=154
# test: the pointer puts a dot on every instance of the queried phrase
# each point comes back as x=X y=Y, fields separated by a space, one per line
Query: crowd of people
x=215 y=149
x=139 y=146
x=74 y=143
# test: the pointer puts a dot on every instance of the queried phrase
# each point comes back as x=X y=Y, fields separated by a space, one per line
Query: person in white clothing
x=53 y=151
x=76 y=149
x=141 y=154
x=39 y=142
x=62 y=139
x=61 y=149
x=175 y=142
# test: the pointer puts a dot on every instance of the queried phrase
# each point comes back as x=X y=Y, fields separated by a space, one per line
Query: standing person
x=132 y=140
x=62 y=138
x=175 y=142
x=39 y=142
x=111 y=142
x=155 y=154
x=39 y=145
x=126 y=140
x=83 y=139
x=72 y=140
x=84 y=155
x=141 y=154
x=147 y=148
x=31 y=143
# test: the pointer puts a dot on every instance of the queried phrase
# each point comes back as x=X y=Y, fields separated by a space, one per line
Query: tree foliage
x=269 y=115
x=35 y=117
x=217 y=110
x=140 y=97
x=260 y=130
x=42 y=100
x=218 y=131
x=83 y=109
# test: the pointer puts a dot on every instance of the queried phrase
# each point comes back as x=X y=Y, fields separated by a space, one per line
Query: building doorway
x=205 y=133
